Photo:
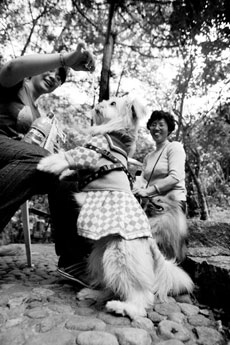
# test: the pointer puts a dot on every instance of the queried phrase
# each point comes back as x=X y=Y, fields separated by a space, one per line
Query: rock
x=167 y=308
x=189 y=309
x=133 y=336
x=212 y=278
x=62 y=309
x=200 y=320
x=84 y=311
x=54 y=337
x=37 y=313
x=49 y=323
x=114 y=319
x=16 y=302
x=208 y=234
x=84 y=323
x=144 y=323
x=171 y=342
x=173 y=330
x=155 y=317
x=44 y=293
x=11 y=250
x=96 y=338
x=177 y=317
x=16 y=336
x=208 y=336
x=208 y=262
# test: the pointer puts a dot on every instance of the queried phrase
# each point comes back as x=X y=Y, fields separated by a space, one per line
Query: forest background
x=172 y=53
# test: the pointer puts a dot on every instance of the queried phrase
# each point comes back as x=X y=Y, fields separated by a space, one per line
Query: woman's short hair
x=159 y=115
x=62 y=72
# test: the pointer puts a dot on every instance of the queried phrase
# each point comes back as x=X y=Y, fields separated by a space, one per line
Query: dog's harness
x=105 y=169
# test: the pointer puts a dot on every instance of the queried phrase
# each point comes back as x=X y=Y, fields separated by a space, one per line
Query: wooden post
x=26 y=231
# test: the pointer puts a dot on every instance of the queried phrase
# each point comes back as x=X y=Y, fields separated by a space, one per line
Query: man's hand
x=82 y=59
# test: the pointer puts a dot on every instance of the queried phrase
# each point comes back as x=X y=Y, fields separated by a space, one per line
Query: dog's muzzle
x=151 y=207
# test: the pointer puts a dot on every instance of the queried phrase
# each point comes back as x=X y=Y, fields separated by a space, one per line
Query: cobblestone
x=37 y=307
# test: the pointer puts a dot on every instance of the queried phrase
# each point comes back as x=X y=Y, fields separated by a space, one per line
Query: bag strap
x=158 y=158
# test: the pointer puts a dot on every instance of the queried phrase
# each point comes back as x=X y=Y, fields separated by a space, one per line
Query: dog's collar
x=116 y=144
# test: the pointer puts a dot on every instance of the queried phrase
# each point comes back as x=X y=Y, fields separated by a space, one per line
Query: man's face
x=47 y=82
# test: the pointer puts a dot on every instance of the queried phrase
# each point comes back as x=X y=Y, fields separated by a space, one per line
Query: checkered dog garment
x=107 y=212
x=112 y=212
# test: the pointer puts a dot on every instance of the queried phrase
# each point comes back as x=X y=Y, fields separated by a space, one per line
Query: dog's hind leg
x=169 y=278
x=99 y=296
x=96 y=276
x=129 y=273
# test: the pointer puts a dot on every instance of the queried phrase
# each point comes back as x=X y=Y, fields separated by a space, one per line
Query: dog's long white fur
x=133 y=271
x=170 y=278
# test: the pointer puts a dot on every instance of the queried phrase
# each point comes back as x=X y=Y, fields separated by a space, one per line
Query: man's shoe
x=76 y=273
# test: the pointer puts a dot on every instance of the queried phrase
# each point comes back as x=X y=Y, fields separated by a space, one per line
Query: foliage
x=191 y=18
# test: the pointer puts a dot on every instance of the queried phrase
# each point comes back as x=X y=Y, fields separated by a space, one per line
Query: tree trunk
x=107 y=56
x=201 y=197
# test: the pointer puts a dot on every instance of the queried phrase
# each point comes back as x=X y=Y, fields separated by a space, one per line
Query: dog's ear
x=137 y=107
x=134 y=115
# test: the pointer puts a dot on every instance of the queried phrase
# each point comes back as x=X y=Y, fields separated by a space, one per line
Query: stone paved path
x=39 y=308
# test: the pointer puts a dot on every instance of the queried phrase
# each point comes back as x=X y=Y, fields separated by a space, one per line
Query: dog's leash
x=105 y=169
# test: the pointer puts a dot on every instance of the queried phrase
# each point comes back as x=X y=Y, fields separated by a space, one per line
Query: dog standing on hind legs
x=126 y=267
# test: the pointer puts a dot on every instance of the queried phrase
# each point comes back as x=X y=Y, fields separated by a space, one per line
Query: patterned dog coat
x=112 y=211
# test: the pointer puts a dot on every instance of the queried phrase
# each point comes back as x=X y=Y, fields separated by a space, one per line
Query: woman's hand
x=81 y=59
x=140 y=192
x=145 y=192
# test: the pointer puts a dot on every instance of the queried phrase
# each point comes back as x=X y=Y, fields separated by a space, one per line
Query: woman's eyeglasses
x=156 y=124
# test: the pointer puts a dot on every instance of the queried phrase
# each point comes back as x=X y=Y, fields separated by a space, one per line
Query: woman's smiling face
x=159 y=130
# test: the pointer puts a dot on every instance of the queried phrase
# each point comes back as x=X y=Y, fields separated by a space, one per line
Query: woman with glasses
x=163 y=171
x=22 y=81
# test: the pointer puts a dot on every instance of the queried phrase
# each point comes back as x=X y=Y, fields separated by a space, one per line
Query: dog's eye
x=113 y=103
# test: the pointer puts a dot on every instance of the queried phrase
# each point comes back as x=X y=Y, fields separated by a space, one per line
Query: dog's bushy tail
x=169 y=278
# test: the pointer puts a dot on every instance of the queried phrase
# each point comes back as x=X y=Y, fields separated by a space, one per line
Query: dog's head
x=117 y=114
x=168 y=224
x=166 y=211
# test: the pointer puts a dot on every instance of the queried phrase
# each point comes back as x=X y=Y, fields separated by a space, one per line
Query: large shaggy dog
x=126 y=268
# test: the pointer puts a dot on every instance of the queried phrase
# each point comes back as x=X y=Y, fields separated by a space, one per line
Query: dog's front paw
x=125 y=309
x=116 y=307
x=66 y=173
x=55 y=163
